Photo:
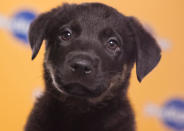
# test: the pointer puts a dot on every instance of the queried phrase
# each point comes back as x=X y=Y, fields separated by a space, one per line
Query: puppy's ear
x=148 y=52
x=37 y=32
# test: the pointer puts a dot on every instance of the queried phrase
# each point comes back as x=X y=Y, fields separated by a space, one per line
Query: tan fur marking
x=51 y=71
x=115 y=81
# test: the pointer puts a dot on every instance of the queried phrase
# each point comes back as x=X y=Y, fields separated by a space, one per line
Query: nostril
x=81 y=67
x=87 y=70
x=73 y=67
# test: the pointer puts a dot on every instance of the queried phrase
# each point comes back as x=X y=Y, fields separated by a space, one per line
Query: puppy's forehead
x=93 y=16
x=98 y=15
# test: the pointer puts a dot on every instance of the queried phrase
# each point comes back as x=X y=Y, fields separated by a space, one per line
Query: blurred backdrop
x=158 y=101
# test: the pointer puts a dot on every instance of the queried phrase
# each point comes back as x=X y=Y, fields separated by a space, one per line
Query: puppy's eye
x=65 y=35
x=113 y=45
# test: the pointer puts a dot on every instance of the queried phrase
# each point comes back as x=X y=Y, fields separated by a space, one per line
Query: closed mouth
x=77 y=89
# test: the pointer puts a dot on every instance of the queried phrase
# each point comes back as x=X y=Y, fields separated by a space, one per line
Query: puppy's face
x=92 y=47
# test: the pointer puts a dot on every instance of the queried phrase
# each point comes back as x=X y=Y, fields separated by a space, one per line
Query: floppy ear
x=37 y=32
x=148 y=52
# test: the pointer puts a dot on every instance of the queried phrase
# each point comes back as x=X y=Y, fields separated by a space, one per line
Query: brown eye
x=112 y=44
x=66 y=35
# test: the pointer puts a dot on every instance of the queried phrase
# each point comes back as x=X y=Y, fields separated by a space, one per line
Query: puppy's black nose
x=81 y=66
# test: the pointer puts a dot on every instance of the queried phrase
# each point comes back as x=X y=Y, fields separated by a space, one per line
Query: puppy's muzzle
x=80 y=70
x=81 y=67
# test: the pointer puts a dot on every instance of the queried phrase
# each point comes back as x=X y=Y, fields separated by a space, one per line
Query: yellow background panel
x=20 y=77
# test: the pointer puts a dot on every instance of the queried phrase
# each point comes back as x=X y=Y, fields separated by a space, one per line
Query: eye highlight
x=65 y=35
x=113 y=45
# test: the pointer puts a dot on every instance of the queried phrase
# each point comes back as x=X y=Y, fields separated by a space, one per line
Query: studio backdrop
x=158 y=101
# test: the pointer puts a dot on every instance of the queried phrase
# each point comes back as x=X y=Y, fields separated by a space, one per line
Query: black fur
x=90 y=51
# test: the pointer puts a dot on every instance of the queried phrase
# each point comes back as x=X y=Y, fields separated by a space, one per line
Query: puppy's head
x=91 y=48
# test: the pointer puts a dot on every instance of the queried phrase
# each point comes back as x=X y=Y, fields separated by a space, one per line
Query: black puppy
x=90 y=51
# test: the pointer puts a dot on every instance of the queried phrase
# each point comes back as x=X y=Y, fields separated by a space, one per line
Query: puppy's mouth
x=77 y=89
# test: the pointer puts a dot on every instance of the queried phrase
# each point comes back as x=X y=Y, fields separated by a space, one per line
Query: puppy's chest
x=77 y=123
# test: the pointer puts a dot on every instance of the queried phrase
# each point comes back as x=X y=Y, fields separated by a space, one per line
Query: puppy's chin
x=77 y=89
x=80 y=90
